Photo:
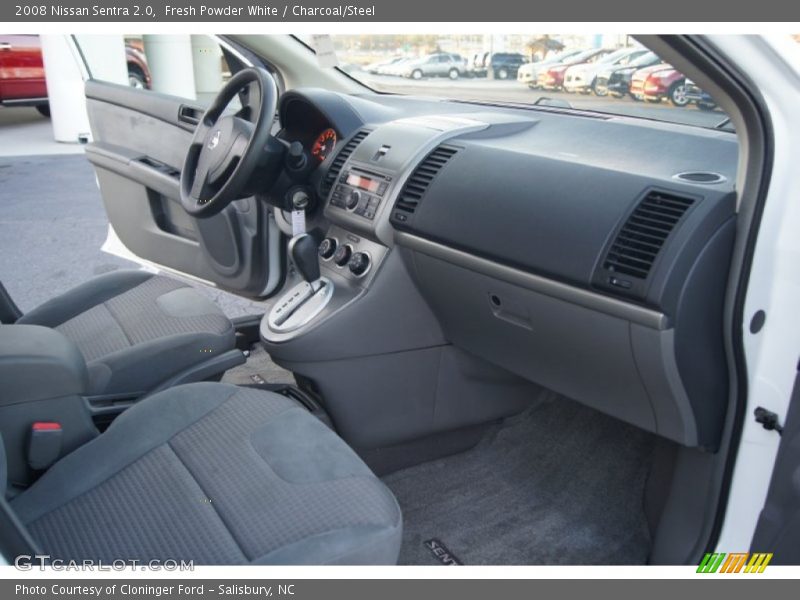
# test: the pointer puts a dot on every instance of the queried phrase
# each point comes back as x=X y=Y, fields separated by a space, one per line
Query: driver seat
x=139 y=332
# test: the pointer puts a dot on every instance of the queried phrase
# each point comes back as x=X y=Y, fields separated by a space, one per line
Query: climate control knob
x=352 y=200
x=327 y=248
x=342 y=255
x=359 y=264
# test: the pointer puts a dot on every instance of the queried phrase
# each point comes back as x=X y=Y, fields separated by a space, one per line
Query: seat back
x=9 y=311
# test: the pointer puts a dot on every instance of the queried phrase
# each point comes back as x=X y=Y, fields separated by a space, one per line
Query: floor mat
x=559 y=484
x=258 y=368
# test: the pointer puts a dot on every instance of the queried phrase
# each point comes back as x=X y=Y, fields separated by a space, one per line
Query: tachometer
x=324 y=145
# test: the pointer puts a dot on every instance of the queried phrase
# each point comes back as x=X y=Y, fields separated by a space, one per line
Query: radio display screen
x=364 y=183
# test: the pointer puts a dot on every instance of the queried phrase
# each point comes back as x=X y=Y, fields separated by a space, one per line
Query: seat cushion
x=136 y=329
x=216 y=474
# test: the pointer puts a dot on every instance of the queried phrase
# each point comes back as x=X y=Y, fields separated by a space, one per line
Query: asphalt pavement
x=52 y=227
x=24 y=132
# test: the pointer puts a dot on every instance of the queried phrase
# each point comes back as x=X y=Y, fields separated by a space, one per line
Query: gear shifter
x=305 y=300
x=303 y=250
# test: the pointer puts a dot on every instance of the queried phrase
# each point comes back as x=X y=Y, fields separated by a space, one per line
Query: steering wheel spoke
x=200 y=186
x=201 y=130
x=236 y=150
x=250 y=98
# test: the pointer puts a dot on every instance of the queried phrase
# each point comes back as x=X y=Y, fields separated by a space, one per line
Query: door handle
x=5 y=46
x=189 y=114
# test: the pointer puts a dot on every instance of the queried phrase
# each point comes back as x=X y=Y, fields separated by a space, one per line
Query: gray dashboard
x=586 y=253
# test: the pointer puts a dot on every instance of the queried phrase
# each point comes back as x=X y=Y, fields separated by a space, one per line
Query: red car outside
x=22 y=81
x=22 y=72
x=658 y=82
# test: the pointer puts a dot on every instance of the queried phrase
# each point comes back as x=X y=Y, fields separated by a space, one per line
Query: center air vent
x=641 y=238
x=416 y=186
x=340 y=159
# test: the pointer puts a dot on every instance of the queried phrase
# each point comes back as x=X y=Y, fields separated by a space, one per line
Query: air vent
x=340 y=159
x=639 y=241
x=421 y=178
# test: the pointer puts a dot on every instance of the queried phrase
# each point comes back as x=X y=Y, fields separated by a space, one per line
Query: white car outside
x=580 y=78
x=529 y=72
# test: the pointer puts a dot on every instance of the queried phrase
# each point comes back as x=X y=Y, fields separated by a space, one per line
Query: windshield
x=455 y=67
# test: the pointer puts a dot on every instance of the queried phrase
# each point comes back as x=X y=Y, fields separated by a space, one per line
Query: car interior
x=507 y=332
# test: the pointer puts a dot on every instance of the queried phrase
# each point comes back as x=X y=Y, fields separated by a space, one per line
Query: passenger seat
x=215 y=474
x=137 y=331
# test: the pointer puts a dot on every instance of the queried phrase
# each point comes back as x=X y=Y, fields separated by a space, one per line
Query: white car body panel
x=773 y=64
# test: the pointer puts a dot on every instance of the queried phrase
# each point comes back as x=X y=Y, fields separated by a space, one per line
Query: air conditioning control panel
x=349 y=255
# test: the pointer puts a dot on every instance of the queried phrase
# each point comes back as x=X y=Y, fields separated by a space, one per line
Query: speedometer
x=324 y=145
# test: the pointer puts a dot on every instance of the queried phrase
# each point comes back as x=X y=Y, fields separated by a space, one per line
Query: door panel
x=139 y=142
x=778 y=529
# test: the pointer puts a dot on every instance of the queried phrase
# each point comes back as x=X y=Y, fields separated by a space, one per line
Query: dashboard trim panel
x=640 y=315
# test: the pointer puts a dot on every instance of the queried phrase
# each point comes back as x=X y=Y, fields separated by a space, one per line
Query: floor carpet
x=559 y=484
x=259 y=368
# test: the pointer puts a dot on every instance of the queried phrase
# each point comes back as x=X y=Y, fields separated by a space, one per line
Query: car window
x=522 y=68
x=193 y=67
x=612 y=57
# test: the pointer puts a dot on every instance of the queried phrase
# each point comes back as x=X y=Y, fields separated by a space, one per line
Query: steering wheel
x=227 y=150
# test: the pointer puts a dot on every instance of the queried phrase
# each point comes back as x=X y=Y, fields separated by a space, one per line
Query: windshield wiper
x=553 y=102
x=724 y=123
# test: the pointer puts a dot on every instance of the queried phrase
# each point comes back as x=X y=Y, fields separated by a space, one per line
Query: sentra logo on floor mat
x=741 y=562
x=441 y=553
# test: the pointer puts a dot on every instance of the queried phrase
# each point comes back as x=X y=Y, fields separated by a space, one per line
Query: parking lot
x=52 y=220
x=513 y=91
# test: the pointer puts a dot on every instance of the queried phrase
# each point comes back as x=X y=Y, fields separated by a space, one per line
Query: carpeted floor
x=258 y=368
x=559 y=484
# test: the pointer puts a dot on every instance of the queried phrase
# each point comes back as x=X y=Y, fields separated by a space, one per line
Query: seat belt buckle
x=44 y=444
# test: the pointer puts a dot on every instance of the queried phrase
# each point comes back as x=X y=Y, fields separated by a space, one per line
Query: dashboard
x=586 y=253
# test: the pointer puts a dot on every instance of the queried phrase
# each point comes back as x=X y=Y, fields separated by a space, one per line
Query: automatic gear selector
x=307 y=299
x=303 y=250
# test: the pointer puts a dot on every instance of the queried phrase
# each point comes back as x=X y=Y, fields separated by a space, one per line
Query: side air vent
x=416 y=186
x=641 y=238
x=340 y=159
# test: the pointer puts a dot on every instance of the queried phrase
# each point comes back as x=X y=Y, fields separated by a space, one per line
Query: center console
x=359 y=334
x=360 y=187
x=43 y=415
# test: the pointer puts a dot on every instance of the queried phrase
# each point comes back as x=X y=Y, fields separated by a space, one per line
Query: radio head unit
x=360 y=191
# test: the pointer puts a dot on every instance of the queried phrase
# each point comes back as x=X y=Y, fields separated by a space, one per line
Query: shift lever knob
x=303 y=250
